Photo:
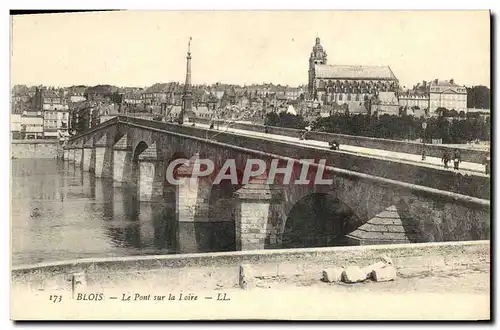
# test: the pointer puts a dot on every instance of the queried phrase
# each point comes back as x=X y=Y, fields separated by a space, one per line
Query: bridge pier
x=103 y=158
x=122 y=161
x=71 y=154
x=150 y=176
x=192 y=201
x=79 y=156
x=87 y=159
x=257 y=216
x=88 y=149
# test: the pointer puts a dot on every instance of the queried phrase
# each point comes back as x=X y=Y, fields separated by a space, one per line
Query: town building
x=414 y=101
x=77 y=97
x=101 y=93
x=431 y=96
x=32 y=125
x=20 y=94
x=76 y=93
x=293 y=93
x=348 y=84
x=55 y=114
x=386 y=103
x=133 y=96
x=84 y=115
x=15 y=126
x=219 y=91
x=159 y=93
x=447 y=94
x=203 y=112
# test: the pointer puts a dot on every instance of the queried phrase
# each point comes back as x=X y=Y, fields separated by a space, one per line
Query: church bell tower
x=318 y=56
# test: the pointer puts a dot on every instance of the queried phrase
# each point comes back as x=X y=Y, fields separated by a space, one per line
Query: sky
x=140 y=48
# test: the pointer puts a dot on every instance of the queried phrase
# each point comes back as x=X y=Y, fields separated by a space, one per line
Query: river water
x=59 y=212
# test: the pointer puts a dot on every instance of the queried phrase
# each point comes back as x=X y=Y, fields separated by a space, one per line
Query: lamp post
x=424 y=126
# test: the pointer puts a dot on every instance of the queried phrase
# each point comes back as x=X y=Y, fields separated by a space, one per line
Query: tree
x=478 y=97
x=450 y=113
x=405 y=127
x=285 y=120
x=116 y=98
x=472 y=115
x=441 y=111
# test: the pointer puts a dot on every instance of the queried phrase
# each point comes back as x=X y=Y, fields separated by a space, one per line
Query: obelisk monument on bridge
x=187 y=97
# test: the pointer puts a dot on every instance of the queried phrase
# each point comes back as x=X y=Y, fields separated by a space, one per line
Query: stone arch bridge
x=262 y=215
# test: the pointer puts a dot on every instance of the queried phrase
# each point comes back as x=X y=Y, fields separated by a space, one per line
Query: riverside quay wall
x=35 y=149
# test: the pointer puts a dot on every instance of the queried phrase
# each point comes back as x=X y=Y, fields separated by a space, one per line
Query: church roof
x=354 y=72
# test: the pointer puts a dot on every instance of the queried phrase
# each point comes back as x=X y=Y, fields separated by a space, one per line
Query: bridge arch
x=318 y=219
x=169 y=189
x=138 y=149
x=221 y=207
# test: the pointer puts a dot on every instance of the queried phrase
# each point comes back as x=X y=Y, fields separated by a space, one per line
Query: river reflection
x=60 y=212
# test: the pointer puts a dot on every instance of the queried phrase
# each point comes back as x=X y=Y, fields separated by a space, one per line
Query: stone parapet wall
x=470 y=185
x=408 y=258
x=432 y=150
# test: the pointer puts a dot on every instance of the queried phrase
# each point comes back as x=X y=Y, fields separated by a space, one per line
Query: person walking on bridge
x=334 y=145
x=456 y=159
x=487 y=163
x=446 y=158
x=303 y=134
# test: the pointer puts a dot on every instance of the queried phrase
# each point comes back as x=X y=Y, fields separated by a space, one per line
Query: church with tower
x=353 y=85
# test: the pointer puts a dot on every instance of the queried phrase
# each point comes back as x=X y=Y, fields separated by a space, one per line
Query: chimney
x=452 y=81
x=424 y=83
x=435 y=81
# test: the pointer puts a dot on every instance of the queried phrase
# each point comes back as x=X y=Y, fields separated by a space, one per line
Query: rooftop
x=160 y=88
x=354 y=72
x=444 y=83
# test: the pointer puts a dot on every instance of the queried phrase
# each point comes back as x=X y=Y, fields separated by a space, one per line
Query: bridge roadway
x=431 y=162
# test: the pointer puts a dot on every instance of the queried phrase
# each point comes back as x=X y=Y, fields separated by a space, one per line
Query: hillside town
x=47 y=112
